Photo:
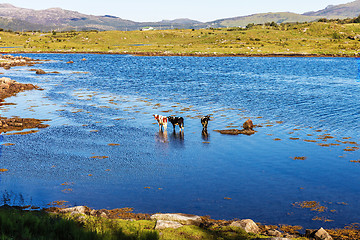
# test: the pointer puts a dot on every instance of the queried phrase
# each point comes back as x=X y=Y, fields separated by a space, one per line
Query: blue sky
x=157 y=10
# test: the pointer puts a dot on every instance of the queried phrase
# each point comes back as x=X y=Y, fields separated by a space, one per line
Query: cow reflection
x=162 y=136
x=179 y=136
x=205 y=135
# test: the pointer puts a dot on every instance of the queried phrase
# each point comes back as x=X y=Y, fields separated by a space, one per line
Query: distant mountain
x=279 y=17
x=19 y=25
x=184 y=21
x=348 y=10
x=60 y=19
x=18 y=19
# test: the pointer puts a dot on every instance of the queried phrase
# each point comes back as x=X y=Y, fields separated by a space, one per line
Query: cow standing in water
x=162 y=121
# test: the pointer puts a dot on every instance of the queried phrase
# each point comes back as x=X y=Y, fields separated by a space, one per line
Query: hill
x=62 y=20
x=348 y=10
x=19 y=25
x=279 y=17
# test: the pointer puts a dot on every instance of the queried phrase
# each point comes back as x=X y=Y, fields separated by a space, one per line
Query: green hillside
x=316 y=38
x=261 y=18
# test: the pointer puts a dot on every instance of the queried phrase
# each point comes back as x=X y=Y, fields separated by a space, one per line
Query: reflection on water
x=177 y=139
x=178 y=136
x=205 y=135
x=162 y=136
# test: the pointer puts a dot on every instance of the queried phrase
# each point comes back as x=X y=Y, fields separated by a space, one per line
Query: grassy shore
x=20 y=224
x=305 y=39
x=16 y=223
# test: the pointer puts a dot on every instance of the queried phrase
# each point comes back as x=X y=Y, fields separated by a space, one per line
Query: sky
x=157 y=10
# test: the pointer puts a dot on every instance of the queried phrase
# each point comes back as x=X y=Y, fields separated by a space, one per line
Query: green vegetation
x=19 y=224
x=333 y=38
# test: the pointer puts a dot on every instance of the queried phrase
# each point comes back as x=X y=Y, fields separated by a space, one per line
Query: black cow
x=204 y=121
x=177 y=121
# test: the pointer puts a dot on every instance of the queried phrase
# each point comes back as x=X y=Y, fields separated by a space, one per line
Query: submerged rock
x=185 y=219
x=40 y=71
x=236 y=131
x=248 y=129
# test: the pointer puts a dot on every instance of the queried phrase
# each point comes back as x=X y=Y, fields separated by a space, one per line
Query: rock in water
x=248 y=125
x=40 y=71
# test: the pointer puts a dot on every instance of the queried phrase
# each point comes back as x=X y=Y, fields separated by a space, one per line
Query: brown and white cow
x=162 y=121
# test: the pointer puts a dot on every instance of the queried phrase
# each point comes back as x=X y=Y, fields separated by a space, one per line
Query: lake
x=103 y=148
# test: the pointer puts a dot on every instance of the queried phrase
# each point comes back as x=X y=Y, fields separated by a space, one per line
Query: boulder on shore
x=162 y=224
x=185 y=219
x=77 y=210
x=247 y=224
x=320 y=234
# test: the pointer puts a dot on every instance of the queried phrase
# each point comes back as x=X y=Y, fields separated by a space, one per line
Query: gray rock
x=76 y=210
x=321 y=234
x=273 y=233
x=185 y=219
x=247 y=224
x=163 y=224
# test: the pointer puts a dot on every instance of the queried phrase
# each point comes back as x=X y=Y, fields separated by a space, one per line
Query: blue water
x=300 y=103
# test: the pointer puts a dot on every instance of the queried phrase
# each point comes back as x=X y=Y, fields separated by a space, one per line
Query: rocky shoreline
x=8 y=88
x=8 y=61
x=178 y=220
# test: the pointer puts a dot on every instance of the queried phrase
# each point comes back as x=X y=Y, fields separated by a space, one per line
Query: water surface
x=103 y=148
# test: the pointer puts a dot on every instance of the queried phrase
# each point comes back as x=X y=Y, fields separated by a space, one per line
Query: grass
x=20 y=224
x=316 y=38
x=17 y=224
